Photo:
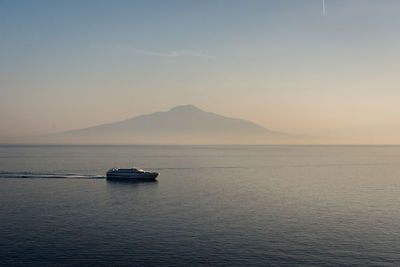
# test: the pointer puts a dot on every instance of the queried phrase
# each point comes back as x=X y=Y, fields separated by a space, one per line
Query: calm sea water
x=211 y=206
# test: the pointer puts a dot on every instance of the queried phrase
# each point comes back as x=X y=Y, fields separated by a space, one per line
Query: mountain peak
x=185 y=108
x=186 y=124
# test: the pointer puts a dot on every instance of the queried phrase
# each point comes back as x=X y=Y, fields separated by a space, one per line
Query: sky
x=283 y=64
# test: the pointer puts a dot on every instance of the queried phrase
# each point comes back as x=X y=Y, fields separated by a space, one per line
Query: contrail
x=323 y=7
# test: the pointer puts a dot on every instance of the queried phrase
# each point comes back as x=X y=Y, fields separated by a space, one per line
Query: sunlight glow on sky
x=282 y=64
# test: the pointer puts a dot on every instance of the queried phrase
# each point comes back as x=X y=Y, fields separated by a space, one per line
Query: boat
x=131 y=174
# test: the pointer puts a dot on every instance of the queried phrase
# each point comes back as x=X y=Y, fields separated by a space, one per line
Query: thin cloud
x=323 y=8
x=171 y=54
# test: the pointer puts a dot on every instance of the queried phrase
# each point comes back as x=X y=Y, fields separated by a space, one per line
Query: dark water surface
x=211 y=206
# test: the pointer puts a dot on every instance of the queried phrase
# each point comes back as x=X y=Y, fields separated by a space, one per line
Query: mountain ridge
x=184 y=124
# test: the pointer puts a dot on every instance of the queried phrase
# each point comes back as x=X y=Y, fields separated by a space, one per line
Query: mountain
x=180 y=125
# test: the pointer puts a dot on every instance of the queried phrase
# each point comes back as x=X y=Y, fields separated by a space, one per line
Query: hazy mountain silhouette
x=180 y=125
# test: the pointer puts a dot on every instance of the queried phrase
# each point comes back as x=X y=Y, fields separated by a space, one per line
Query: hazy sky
x=282 y=63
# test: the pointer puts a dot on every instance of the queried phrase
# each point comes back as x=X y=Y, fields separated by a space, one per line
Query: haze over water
x=212 y=205
x=289 y=66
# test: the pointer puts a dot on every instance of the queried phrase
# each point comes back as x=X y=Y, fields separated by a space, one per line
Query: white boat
x=131 y=174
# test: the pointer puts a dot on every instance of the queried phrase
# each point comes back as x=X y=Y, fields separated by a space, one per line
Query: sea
x=211 y=205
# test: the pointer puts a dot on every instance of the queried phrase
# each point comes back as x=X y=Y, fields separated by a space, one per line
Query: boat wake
x=24 y=174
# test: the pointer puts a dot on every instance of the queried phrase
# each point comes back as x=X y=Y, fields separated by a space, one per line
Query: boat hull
x=146 y=176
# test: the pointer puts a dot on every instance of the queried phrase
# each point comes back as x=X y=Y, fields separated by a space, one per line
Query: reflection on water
x=130 y=182
x=225 y=206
